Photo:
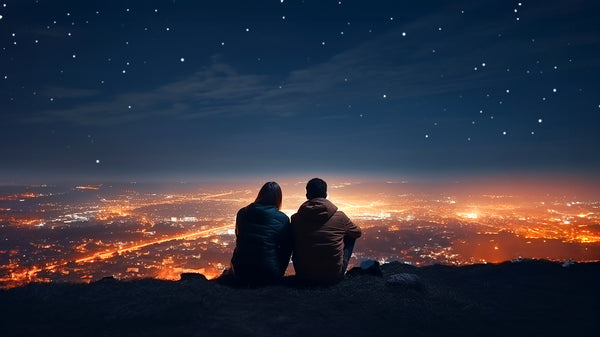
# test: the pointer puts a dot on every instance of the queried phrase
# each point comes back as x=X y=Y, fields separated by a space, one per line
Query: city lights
x=129 y=231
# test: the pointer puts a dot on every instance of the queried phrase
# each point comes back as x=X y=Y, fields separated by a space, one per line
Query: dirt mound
x=521 y=298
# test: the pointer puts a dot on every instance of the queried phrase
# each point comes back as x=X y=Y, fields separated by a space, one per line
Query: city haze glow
x=82 y=233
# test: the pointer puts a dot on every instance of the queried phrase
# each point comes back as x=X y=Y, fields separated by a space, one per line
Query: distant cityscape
x=129 y=231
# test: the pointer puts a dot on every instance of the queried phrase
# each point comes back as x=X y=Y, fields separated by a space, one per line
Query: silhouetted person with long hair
x=323 y=237
x=263 y=239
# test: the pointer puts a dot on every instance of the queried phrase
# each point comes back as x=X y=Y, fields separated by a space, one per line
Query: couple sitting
x=319 y=238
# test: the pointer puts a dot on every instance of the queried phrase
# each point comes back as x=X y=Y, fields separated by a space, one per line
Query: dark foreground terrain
x=526 y=298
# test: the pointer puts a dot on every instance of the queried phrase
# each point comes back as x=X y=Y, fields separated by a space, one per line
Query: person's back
x=323 y=238
x=263 y=243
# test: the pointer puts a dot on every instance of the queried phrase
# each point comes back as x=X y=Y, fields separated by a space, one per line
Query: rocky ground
x=526 y=298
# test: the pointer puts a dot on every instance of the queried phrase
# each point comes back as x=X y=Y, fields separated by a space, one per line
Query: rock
x=405 y=280
x=193 y=277
x=568 y=263
x=371 y=267
x=107 y=279
x=368 y=267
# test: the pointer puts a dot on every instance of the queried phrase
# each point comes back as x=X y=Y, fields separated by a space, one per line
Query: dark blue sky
x=195 y=89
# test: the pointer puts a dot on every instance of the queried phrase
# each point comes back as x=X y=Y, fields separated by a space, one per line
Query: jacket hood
x=317 y=210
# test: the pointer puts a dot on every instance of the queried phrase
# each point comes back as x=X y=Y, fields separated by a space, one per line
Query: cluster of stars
x=503 y=83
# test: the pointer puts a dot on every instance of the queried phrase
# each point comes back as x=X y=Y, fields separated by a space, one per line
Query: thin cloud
x=391 y=64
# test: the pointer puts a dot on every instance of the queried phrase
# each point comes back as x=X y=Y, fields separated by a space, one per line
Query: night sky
x=193 y=89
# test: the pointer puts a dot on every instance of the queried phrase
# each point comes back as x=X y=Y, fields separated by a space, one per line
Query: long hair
x=270 y=194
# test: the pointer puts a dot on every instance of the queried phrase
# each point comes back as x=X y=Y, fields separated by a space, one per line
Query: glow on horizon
x=378 y=206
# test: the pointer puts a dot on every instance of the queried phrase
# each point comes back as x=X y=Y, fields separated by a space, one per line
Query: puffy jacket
x=319 y=230
x=263 y=244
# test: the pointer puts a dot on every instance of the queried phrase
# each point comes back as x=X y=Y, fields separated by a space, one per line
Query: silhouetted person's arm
x=352 y=230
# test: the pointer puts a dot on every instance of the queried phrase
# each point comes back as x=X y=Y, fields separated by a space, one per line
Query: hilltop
x=523 y=298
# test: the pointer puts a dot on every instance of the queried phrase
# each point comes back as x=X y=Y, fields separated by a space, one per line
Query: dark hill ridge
x=526 y=298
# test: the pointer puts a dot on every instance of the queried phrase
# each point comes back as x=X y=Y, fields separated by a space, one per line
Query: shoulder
x=341 y=218
x=281 y=217
x=341 y=215
x=272 y=214
x=241 y=212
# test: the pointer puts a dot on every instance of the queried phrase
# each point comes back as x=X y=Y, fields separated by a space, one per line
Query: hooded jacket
x=319 y=230
x=263 y=244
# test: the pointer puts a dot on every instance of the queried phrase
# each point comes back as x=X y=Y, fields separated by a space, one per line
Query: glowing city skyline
x=86 y=232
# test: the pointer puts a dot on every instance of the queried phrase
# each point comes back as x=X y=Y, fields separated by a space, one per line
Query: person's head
x=270 y=194
x=316 y=188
